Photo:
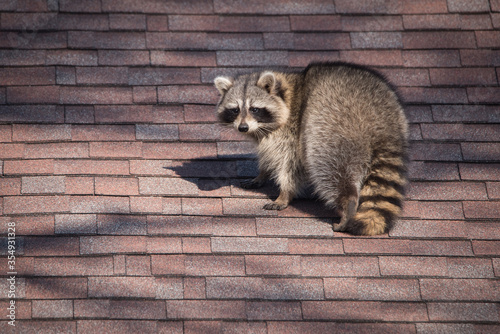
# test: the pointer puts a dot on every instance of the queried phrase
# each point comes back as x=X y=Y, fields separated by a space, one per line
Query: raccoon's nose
x=243 y=127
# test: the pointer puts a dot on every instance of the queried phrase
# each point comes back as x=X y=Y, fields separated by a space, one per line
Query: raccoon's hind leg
x=347 y=204
x=258 y=182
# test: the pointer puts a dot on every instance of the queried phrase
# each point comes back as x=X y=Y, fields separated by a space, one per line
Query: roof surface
x=124 y=192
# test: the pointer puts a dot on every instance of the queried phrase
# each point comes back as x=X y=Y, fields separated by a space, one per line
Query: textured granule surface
x=124 y=192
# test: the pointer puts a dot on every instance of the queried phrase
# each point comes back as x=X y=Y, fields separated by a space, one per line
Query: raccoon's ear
x=267 y=81
x=223 y=84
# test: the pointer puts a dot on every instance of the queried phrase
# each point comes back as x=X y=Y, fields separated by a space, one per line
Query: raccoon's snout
x=243 y=127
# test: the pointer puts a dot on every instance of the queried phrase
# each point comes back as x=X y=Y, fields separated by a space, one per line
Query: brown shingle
x=125 y=192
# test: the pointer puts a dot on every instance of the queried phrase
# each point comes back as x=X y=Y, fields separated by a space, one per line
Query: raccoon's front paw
x=251 y=184
x=274 y=206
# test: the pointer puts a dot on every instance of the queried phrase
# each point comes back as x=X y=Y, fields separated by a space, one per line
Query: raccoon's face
x=251 y=103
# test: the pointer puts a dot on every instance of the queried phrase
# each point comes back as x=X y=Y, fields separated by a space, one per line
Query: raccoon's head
x=252 y=103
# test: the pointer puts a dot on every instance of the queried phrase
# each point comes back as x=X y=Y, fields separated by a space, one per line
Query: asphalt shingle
x=125 y=192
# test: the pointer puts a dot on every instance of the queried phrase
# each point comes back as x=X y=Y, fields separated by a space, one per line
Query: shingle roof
x=125 y=195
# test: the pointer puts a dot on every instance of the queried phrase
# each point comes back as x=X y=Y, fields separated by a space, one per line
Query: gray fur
x=338 y=126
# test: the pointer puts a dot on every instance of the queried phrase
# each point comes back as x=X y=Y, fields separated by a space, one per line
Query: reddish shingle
x=106 y=40
x=412 y=266
x=315 y=246
x=438 y=40
x=463 y=77
x=115 y=149
x=272 y=265
x=340 y=266
x=138 y=114
x=274 y=311
x=279 y=7
x=192 y=22
x=202 y=206
x=431 y=58
x=429 y=228
x=43 y=184
x=372 y=289
x=447 y=191
x=146 y=204
x=34 y=94
x=56 y=288
x=10 y=186
x=35 y=204
x=152 y=6
x=95 y=95
x=38 y=132
x=139 y=287
x=249 y=245
x=112 y=244
x=75 y=224
x=198 y=265
x=381 y=311
x=299 y=327
x=127 y=22
x=376 y=246
x=458 y=289
x=482 y=209
x=80 y=21
x=17 y=76
x=145 y=94
x=79 y=114
x=157 y=22
x=431 y=22
x=483 y=94
x=293 y=227
x=205 y=309
x=470 y=312
x=194 y=288
x=483 y=57
x=121 y=224
x=33 y=225
x=92 y=6
x=116 y=186
x=253 y=23
x=265 y=288
x=179 y=225
x=99 y=167
x=368 y=7
x=196 y=245
x=71 y=266
x=117 y=326
x=125 y=193
x=99 y=204
x=31 y=113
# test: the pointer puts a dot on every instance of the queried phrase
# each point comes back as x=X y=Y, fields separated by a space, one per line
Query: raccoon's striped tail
x=381 y=196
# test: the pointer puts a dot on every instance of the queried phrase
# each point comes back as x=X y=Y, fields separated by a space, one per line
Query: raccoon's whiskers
x=262 y=131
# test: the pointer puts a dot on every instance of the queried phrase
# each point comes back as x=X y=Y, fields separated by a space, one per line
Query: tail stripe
x=381 y=196
x=384 y=205
x=397 y=201
x=378 y=182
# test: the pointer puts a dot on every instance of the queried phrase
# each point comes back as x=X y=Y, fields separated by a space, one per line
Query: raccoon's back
x=349 y=98
x=353 y=128
x=351 y=103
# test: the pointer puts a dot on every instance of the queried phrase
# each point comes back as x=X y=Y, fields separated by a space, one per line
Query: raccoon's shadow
x=213 y=173
x=223 y=177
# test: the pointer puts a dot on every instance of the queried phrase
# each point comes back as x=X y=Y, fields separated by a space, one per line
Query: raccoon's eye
x=256 y=110
x=233 y=111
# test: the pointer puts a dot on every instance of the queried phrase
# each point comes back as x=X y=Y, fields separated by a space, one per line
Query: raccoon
x=339 y=127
